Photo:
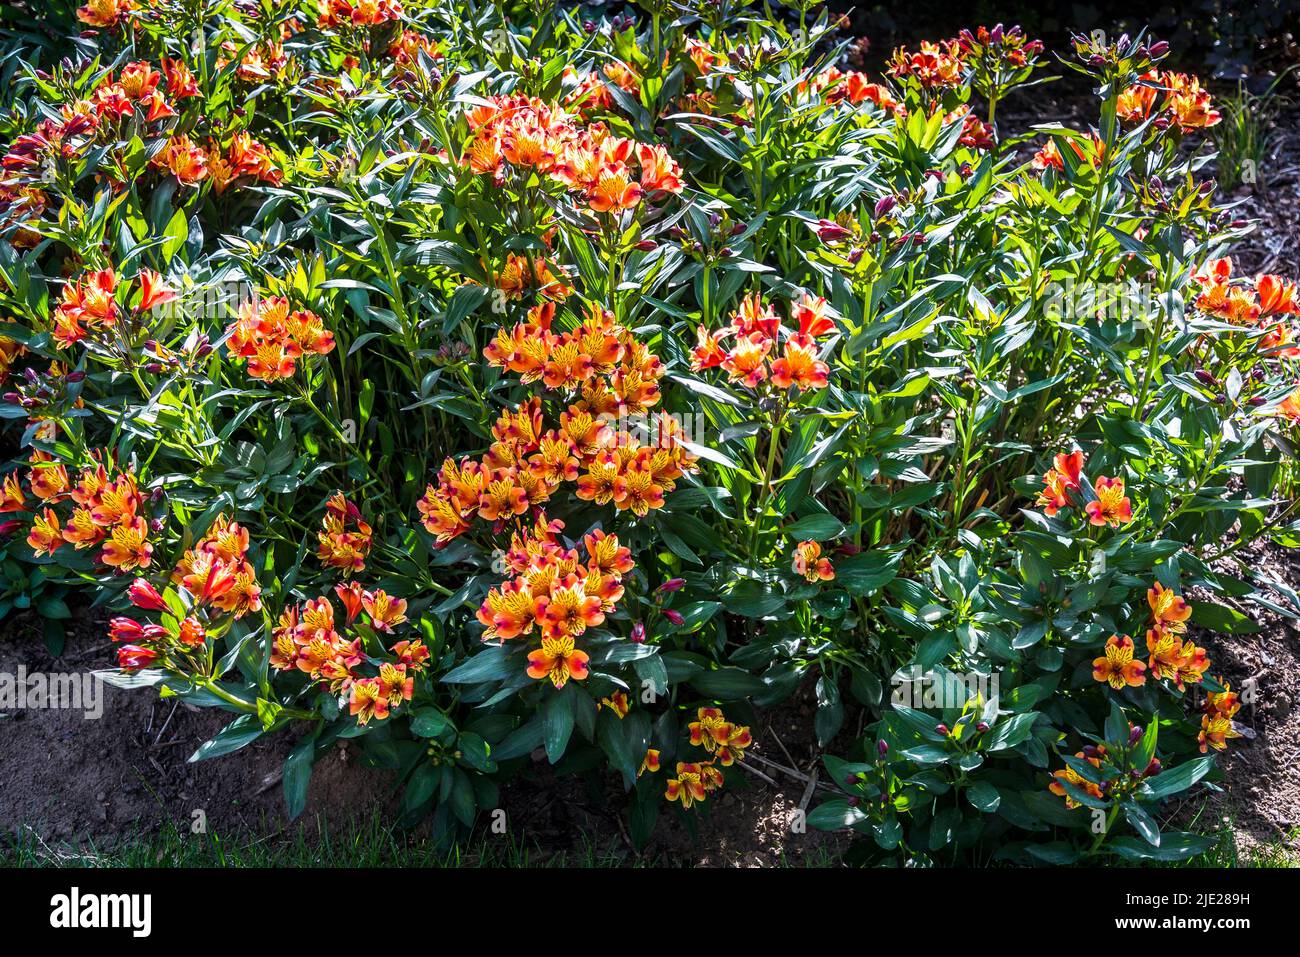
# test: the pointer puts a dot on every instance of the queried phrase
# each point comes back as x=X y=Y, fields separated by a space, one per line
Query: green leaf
x=1176 y=780
x=297 y=776
x=727 y=684
x=983 y=797
x=1221 y=618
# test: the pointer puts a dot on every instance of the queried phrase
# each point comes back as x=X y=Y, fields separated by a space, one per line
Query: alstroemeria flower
x=1111 y=507
x=1118 y=668
x=809 y=563
x=558 y=660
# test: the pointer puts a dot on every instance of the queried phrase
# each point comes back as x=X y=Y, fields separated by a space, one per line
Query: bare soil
x=73 y=782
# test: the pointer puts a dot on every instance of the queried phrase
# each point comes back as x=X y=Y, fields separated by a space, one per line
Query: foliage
x=474 y=381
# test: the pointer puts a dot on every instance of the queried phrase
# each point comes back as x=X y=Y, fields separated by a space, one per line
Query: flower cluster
x=244 y=160
x=306 y=640
x=106 y=13
x=610 y=173
x=272 y=338
x=344 y=538
x=934 y=65
x=1063 y=482
x=1184 y=105
x=612 y=377
x=723 y=740
x=757 y=333
x=364 y=13
x=1112 y=777
x=834 y=86
x=217 y=572
x=1216 y=723
x=108 y=512
x=998 y=44
x=93 y=305
x=550 y=588
x=1171 y=655
x=1067 y=778
x=180 y=643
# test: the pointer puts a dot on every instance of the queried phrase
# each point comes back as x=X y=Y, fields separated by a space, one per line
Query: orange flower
x=1060 y=480
x=154 y=291
x=1068 y=775
x=659 y=171
x=128 y=546
x=1215 y=732
x=45 y=537
x=350 y=593
x=1276 y=295
x=1168 y=610
x=617 y=702
x=569 y=611
x=344 y=538
x=1111 y=507
x=1135 y=102
x=395 y=685
x=12 y=498
x=192 y=633
x=1289 y=408
x=649 y=763
x=368 y=701
x=558 y=660
x=47 y=480
x=799 y=366
x=809 y=563
x=603 y=482
x=187 y=162
x=688 y=786
x=613 y=190
x=1118 y=668
x=105 y=13
x=641 y=491
x=508 y=611
x=385 y=612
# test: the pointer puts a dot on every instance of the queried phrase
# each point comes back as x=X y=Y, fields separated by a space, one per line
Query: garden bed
x=646 y=436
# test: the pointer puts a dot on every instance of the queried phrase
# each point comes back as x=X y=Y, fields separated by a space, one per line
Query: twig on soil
x=797 y=775
x=271 y=780
x=788 y=756
x=758 y=774
x=163 y=729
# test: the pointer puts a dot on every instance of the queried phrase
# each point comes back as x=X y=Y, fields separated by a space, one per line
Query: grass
x=366 y=842
x=363 y=843
x=1246 y=137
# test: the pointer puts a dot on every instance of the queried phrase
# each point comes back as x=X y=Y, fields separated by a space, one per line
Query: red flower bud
x=674 y=616
x=638 y=633
x=125 y=629
x=673 y=584
x=133 y=657
x=144 y=595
